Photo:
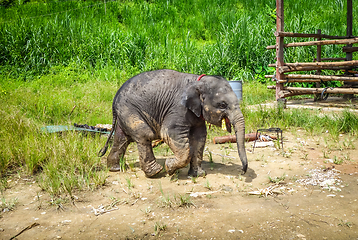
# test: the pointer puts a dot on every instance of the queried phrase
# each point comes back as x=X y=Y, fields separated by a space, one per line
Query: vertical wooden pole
x=279 y=45
x=349 y=55
x=318 y=59
x=349 y=27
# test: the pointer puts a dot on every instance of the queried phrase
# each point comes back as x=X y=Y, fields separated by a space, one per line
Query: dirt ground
x=270 y=201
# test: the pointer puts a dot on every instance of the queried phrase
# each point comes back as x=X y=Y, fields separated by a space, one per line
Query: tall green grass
x=213 y=37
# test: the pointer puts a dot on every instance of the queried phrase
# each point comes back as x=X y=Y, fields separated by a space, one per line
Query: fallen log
x=232 y=138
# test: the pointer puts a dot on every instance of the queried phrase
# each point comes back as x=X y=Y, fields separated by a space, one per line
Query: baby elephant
x=172 y=106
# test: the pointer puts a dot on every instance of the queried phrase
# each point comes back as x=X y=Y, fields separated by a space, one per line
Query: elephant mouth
x=226 y=124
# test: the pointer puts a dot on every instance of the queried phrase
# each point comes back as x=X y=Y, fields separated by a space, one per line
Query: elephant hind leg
x=120 y=144
x=147 y=160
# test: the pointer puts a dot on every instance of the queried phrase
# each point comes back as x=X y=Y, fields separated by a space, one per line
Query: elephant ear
x=191 y=99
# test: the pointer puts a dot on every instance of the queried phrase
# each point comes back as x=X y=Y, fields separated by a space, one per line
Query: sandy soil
x=223 y=205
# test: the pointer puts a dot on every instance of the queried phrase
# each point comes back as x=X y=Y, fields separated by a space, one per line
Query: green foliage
x=214 y=37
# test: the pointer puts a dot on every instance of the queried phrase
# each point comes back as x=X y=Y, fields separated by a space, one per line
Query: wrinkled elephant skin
x=172 y=106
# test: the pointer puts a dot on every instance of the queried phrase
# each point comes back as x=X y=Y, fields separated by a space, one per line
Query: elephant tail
x=104 y=149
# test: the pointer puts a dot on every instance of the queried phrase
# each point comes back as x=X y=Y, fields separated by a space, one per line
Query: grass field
x=61 y=63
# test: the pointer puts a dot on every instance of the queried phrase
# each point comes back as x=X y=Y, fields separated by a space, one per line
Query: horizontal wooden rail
x=317 y=43
x=314 y=78
x=332 y=59
x=292 y=67
x=308 y=35
x=350 y=49
x=292 y=91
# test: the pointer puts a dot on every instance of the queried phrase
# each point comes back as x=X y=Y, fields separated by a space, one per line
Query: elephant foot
x=153 y=169
x=115 y=169
x=116 y=166
x=171 y=165
x=197 y=172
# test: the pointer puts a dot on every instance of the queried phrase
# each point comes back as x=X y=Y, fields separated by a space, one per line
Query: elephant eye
x=222 y=105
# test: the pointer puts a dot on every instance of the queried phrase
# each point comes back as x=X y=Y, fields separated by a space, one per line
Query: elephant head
x=213 y=99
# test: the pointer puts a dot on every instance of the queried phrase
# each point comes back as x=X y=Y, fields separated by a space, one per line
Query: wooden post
x=105 y=7
x=279 y=46
x=349 y=27
x=349 y=55
x=317 y=97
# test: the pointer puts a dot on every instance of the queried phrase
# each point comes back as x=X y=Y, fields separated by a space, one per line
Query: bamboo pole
x=316 y=43
x=307 y=35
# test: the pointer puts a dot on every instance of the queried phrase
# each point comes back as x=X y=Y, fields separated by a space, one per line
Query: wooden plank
x=316 y=43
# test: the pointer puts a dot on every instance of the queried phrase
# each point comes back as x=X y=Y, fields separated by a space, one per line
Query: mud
x=220 y=206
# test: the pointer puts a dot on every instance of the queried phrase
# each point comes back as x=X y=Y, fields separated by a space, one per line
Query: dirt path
x=221 y=206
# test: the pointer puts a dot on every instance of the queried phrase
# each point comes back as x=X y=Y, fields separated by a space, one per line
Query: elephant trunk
x=237 y=120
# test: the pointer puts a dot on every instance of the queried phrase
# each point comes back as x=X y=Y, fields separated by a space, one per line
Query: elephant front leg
x=120 y=144
x=181 y=150
x=147 y=160
x=197 y=144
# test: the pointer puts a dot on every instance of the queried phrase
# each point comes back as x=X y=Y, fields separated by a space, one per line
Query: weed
x=305 y=156
x=159 y=227
x=346 y=157
x=58 y=203
x=194 y=179
x=277 y=179
x=325 y=154
x=130 y=184
x=185 y=201
x=7 y=205
x=4 y=184
x=146 y=211
x=165 y=198
x=345 y=224
x=207 y=185
x=210 y=157
x=337 y=161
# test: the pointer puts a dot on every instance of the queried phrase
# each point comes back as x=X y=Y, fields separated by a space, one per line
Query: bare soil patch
x=223 y=205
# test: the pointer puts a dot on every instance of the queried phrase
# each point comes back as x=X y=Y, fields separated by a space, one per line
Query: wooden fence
x=347 y=64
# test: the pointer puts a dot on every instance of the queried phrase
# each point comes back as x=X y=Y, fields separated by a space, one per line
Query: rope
x=326 y=96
